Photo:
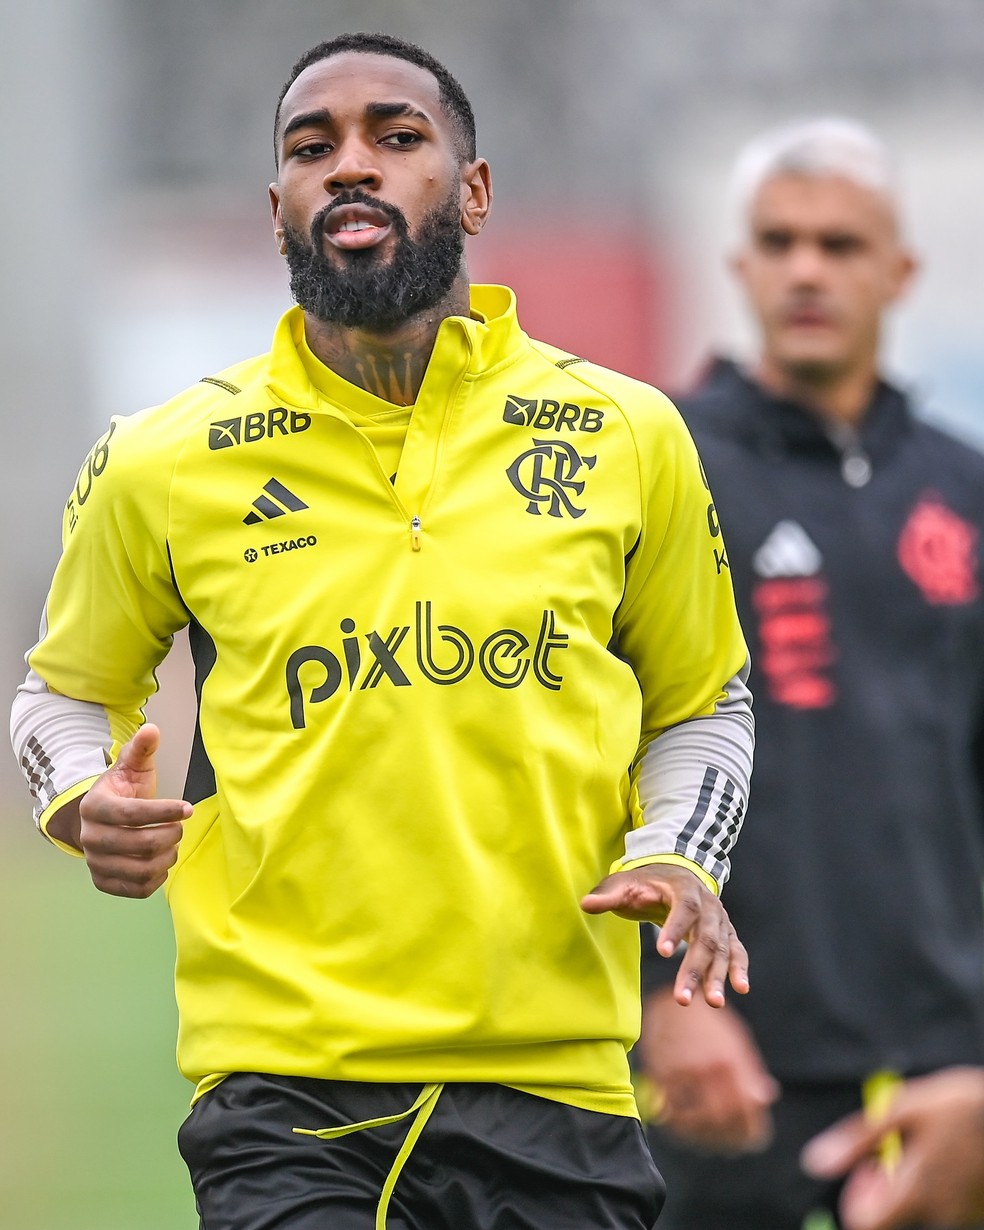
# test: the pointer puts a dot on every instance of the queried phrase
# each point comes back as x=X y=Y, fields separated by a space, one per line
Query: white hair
x=826 y=146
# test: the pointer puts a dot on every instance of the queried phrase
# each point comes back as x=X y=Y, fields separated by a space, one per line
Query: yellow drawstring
x=424 y=1105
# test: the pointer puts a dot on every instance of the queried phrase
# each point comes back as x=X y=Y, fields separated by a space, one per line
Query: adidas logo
x=274 y=501
x=787 y=552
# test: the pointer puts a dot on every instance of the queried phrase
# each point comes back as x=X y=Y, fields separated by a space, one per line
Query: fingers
x=717 y=1115
x=874 y=1200
x=645 y=894
x=937 y=1175
x=714 y=954
x=629 y=897
x=134 y=774
x=749 y=1130
x=130 y=838
x=138 y=866
x=833 y=1152
x=873 y=1197
x=685 y=909
x=131 y=859
x=138 y=754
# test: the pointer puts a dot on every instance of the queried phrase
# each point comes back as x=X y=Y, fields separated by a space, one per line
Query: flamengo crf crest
x=546 y=475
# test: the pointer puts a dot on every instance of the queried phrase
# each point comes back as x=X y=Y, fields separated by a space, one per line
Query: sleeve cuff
x=55 y=806
x=675 y=860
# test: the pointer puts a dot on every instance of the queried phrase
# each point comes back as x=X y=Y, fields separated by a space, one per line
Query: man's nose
x=806 y=263
x=354 y=166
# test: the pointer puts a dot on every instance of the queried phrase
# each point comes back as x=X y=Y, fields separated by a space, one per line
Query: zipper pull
x=415 y=533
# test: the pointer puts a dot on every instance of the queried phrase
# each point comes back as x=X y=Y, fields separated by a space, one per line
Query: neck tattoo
x=392 y=377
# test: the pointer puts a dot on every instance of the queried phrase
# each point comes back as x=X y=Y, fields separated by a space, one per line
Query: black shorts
x=407 y=1157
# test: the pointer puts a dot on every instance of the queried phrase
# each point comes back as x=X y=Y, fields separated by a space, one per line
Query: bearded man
x=472 y=703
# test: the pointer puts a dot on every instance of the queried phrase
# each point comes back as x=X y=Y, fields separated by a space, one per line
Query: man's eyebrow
x=321 y=118
x=387 y=111
x=307 y=119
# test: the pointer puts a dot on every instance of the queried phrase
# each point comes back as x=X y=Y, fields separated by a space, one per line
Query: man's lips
x=807 y=316
x=351 y=227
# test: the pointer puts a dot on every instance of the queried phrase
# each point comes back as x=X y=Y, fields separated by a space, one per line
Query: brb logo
x=546 y=475
x=444 y=655
x=549 y=415
x=263 y=425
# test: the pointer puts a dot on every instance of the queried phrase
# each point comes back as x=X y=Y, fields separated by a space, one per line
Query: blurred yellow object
x=648 y=1096
x=876 y=1097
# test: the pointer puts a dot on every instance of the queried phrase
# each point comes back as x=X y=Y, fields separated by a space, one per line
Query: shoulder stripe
x=562 y=363
x=222 y=384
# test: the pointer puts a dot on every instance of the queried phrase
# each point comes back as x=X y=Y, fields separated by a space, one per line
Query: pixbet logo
x=263 y=425
x=548 y=415
x=444 y=655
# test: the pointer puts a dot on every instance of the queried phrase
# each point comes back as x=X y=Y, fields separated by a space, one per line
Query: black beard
x=359 y=290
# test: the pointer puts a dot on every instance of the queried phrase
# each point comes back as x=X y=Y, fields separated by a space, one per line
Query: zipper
x=855 y=464
x=415 y=533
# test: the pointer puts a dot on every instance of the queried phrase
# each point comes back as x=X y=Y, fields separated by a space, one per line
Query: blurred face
x=821 y=264
x=371 y=202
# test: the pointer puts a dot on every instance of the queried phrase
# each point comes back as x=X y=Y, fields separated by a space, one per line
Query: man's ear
x=476 y=195
x=278 y=222
x=737 y=264
x=906 y=269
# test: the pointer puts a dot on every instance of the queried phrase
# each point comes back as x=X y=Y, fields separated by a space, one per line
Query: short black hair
x=453 y=98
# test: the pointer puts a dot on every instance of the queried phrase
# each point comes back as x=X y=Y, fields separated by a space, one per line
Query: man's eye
x=312 y=149
x=841 y=245
x=775 y=241
x=402 y=140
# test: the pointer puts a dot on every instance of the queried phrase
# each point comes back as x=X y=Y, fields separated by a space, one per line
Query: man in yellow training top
x=471 y=703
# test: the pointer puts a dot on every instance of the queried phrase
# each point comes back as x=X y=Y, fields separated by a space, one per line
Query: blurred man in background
x=406 y=872
x=855 y=535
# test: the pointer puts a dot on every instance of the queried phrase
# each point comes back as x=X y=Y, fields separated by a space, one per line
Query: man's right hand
x=130 y=838
x=716 y=1089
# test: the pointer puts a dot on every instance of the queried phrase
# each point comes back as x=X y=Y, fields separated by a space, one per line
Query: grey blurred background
x=137 y=256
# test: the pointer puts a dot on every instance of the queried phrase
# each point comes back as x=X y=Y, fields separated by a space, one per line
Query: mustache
x=357 y=197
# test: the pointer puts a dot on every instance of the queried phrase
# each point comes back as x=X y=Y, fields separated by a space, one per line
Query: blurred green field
x=90 y=1098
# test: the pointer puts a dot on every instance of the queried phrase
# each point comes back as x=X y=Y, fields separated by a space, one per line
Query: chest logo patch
x=547 y=476
x=796 y=649
x=275 y=500
x=789 y=551
x=262 y=425
x=937 y=551
x=548 y=415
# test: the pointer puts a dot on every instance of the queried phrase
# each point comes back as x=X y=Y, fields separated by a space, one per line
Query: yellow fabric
x=615 y=1101
x=420 y=739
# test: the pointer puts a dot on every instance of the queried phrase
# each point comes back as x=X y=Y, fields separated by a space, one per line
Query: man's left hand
x=684 y=908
